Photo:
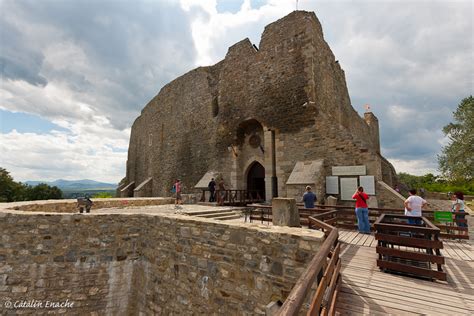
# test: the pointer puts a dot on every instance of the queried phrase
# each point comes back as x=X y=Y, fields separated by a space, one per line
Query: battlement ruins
x=272 y=119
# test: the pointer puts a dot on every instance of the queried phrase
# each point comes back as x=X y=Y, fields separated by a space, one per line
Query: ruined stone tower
x=278 y=113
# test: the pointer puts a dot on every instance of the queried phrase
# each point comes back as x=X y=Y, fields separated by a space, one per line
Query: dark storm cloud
x=114 y=55
x=15 y=63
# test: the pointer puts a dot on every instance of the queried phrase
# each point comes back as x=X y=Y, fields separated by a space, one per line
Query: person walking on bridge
x=458 y=206
x=413 y=206
x=362 y=210
x=309 y=198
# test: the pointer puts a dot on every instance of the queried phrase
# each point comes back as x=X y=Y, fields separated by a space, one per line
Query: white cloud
x=30 y=156
x=91 y=69
x=88 y=69
x=416 y=167
x=213 y=32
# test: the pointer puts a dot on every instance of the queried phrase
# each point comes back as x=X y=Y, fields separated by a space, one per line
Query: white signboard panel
x=332 y=185
x=348 y=187
x=349 y=171
x=368 y=183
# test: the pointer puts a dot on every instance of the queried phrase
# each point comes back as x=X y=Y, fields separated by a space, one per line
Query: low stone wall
x=69 y=206
x=388 y=197
x=154 y=264
x=85 y=260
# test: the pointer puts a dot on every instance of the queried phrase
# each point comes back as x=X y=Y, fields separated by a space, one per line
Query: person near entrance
x=309 y=198
x=177 y=190
x=221 y=195
x=413 y=206
x=362 y=210
x=212 y=189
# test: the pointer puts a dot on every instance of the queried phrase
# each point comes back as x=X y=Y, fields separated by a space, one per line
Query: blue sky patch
x=232 y=6
x=25 y=123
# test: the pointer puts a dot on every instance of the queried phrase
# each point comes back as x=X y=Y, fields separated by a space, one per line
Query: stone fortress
x=273 y=119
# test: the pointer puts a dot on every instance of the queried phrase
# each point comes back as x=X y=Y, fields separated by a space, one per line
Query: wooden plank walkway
x=365 y=290
x=455 y=249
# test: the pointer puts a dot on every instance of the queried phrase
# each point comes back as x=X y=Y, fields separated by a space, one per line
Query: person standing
x=309 y=198
x=458 y=206
x=222 y=192
x=212 y=188
x=362 y=210
x=177 y=188
x=413 y=206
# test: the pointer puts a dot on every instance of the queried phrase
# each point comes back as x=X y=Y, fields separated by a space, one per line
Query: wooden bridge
x=365 y=290
x=343 y=278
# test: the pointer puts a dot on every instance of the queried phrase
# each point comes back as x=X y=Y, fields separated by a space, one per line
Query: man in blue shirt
x=309 y=198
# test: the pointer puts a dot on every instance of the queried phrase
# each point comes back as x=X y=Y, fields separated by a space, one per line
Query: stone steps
x=216 y=214
x=208 y=203
x=228 y=217
x=208 y=212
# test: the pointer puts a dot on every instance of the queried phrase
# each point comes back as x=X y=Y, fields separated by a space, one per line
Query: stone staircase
x=221 y=214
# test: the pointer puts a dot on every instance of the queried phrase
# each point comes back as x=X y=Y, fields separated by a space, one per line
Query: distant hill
x=73 y=185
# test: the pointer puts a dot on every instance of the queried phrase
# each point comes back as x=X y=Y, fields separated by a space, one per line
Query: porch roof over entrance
x=202 y=184
x=306 y=172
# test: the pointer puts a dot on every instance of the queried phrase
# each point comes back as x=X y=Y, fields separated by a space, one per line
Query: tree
x=43 y=191
x=9 y=190
x=456 y=159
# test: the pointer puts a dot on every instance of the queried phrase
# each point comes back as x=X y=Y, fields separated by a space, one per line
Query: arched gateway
x=256 y=179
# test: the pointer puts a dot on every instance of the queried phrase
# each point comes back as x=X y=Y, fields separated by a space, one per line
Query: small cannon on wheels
x=84 y=204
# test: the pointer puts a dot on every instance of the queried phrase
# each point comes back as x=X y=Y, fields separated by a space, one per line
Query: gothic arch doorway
x=256 y=179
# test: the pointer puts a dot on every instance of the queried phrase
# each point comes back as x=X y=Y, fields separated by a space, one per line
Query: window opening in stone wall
x=162 y=133
x=215 y=107
x=150 y=139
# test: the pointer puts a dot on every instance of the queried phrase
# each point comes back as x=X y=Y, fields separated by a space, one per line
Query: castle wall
x=84 y=260
x=291 y=85
x=117 y=264
x=70 y=206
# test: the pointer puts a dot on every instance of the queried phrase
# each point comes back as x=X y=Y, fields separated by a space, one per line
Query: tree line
x=433 y=183
x=11 y=190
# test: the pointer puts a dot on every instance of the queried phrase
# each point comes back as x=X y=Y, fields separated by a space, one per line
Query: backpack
x=173 y=189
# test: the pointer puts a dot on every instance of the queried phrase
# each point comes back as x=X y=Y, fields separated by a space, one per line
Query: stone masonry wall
x=117 y=264
x=69 y=206
x=86 y=260
x=389 y=197
x=292 y=85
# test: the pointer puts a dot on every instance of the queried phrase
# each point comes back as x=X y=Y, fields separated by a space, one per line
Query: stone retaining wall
x=69 y=206
x=164 y=264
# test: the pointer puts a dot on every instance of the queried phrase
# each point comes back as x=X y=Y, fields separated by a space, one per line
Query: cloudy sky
x=76 y=73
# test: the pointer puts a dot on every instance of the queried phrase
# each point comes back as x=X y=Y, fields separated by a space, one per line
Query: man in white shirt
x=413 y=206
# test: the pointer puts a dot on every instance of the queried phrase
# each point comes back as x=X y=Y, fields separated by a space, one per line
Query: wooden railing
x=324 y=270
x=412 y=249
x=234 y=197
x=345 y=217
